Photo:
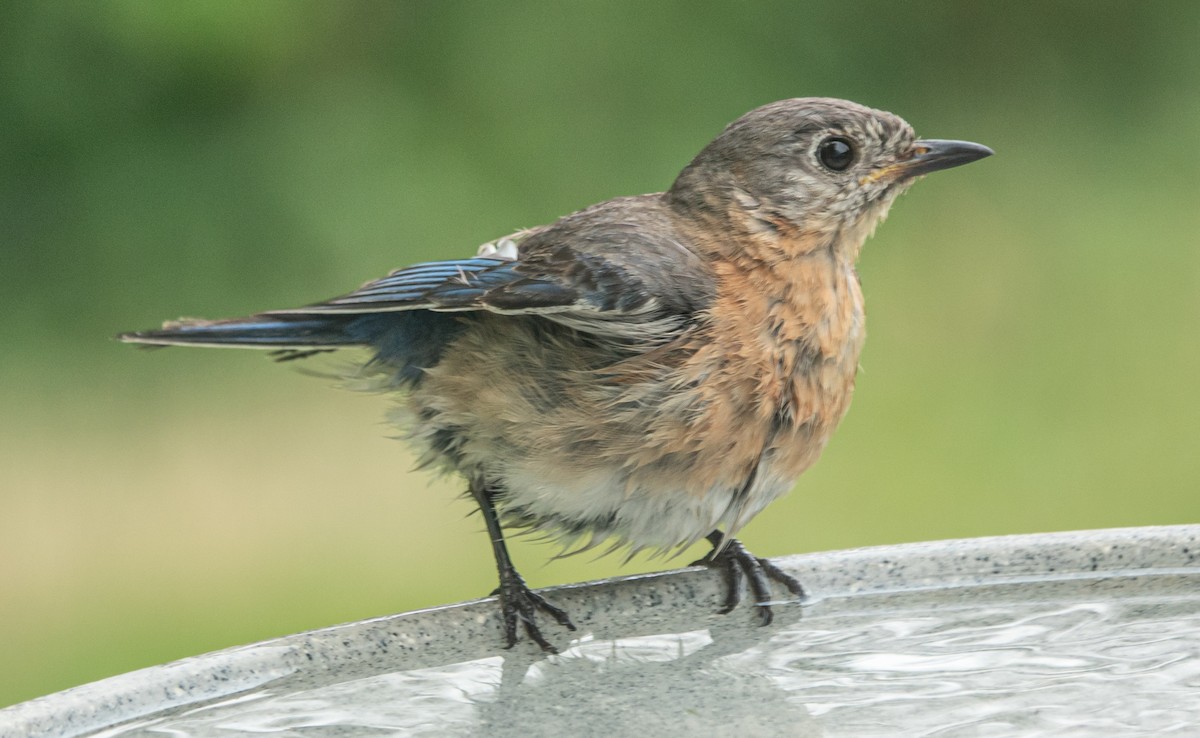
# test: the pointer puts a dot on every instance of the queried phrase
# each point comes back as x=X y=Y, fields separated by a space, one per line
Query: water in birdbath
x=1078 y=655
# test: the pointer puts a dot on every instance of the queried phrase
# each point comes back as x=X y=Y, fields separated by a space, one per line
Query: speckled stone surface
x=957 y=622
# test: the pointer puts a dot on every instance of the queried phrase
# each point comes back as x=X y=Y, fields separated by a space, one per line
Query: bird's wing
x=617 y=271
x=619 y=279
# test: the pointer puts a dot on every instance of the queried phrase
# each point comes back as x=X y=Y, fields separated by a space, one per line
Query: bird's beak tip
x=931 y=155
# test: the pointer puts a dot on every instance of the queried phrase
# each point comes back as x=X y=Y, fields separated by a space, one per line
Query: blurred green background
x=1033 y=359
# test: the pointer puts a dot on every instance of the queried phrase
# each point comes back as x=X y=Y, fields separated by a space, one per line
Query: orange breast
x=779 y=362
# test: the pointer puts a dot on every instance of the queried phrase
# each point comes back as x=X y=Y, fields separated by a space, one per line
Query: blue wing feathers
x=400 y=313
x=431 y=285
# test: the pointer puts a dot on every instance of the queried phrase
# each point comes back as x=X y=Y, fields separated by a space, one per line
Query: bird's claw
x=737 y=565
x=519 y=604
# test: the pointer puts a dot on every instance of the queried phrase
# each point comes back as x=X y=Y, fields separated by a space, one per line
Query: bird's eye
x=836 y=153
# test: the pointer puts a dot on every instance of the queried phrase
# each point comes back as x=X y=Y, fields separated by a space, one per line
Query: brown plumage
x=652 y=369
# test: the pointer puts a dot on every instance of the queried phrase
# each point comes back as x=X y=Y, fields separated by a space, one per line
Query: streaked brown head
x=813 y=165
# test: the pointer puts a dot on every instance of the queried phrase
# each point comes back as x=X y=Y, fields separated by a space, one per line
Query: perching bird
x=652 y=369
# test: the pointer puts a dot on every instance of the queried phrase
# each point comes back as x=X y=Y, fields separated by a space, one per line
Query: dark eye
x=836 y=153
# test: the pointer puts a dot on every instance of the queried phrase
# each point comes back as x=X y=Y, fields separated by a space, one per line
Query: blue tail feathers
x=262 y=332
x=408 y=342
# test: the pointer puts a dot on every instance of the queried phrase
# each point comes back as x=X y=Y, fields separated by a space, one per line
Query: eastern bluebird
x=652 y=369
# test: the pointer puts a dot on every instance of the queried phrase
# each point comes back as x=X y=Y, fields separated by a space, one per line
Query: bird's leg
x=737 y=564
x=518 y=603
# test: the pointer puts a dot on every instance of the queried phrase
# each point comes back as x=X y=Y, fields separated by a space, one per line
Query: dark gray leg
x=518 y=603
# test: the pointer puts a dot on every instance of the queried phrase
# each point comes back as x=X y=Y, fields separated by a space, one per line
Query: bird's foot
x=519 y=604
x=736 y=565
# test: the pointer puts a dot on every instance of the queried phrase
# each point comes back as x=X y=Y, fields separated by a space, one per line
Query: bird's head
x=815 y=166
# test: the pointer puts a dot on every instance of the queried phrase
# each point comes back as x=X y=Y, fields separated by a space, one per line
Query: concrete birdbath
x=1083 y=633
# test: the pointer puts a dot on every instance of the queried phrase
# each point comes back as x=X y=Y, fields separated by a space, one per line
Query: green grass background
x=1033 y=361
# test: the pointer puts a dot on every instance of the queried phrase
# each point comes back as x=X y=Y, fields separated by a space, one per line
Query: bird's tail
x=271 y=332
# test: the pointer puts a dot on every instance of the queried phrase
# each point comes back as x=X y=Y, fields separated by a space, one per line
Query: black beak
x=930 y=155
